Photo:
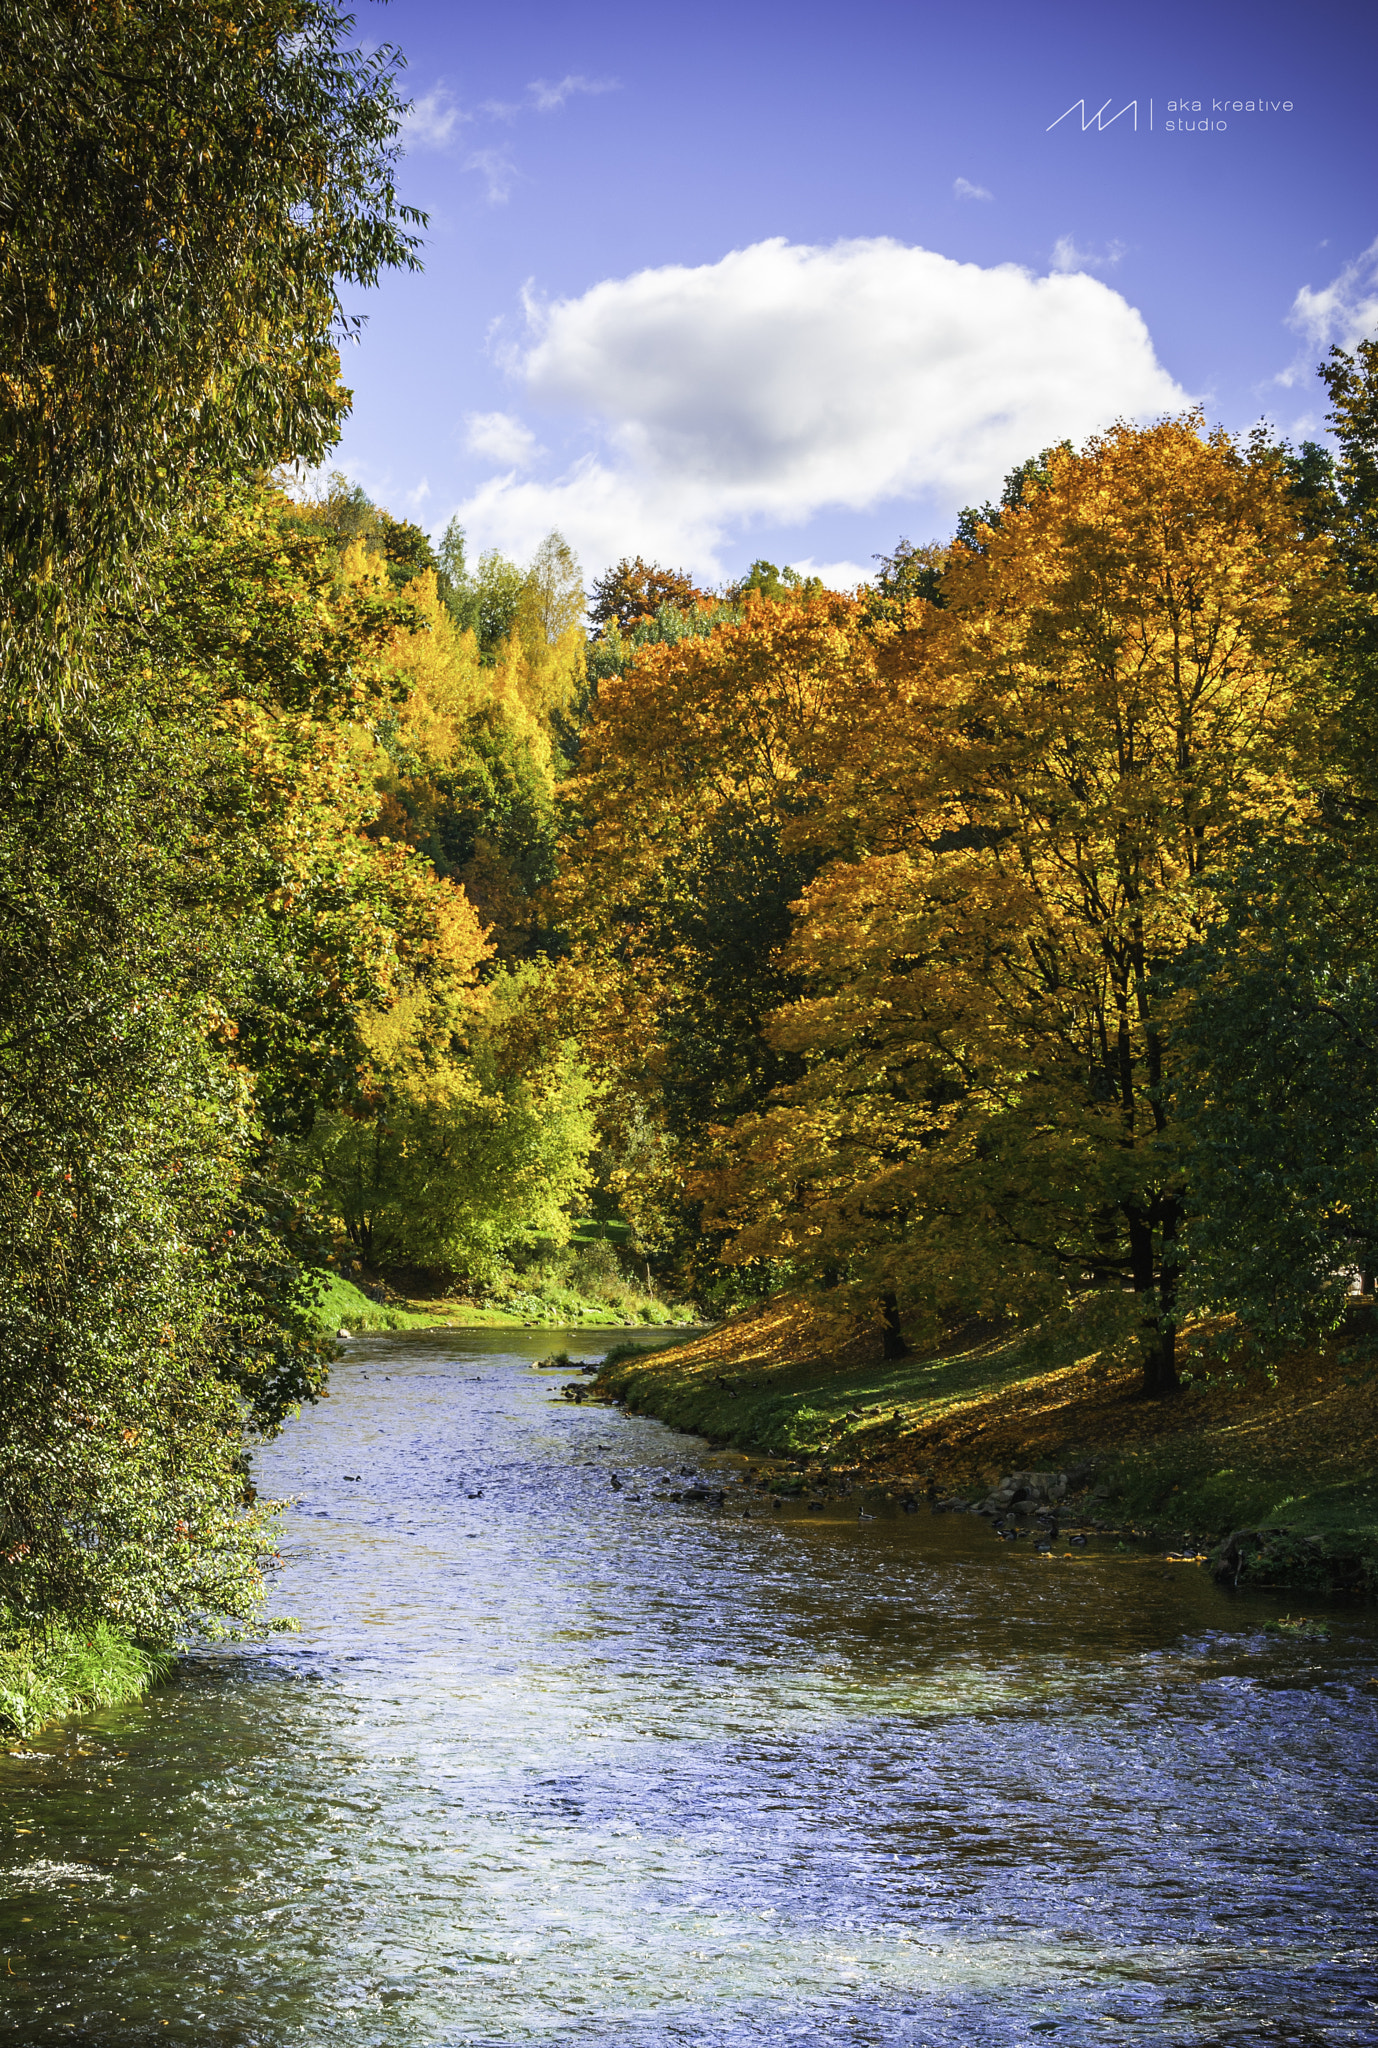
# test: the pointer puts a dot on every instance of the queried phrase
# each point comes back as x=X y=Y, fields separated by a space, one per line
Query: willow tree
x=183 y=191
x=1105 y=707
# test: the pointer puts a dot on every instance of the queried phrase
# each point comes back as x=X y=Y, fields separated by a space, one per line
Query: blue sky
x=753 y=280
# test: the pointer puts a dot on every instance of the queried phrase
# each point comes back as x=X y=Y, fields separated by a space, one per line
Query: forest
x=987 y=944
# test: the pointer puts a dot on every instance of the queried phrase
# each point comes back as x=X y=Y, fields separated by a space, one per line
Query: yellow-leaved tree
x=695 y=817
x=472 y=1136
x=469 y=1126
x=468 y=764
x=1110 y=699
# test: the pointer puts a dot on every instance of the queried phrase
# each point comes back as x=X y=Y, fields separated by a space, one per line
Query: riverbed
x=557 y=1760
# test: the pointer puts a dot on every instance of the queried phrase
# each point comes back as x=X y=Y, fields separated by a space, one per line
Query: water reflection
x=559 y=1761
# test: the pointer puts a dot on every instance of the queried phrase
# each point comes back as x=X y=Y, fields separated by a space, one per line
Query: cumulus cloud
x=501 y=438
x=1345 y=310
x=787 y=379
x=1068 y=255
x=962 y=188
x=431 y=121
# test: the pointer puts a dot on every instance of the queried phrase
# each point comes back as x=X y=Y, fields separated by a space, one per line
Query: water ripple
x=555 y=1761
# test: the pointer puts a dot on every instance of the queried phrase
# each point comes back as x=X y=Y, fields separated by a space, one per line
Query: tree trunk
x=1160 y=1358
x=895 y=1346
x=1156 y=1285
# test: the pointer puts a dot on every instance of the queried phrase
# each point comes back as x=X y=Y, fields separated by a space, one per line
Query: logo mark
x=1097 y=120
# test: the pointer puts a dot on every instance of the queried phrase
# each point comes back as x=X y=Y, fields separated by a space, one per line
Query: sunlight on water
x=554 y=1761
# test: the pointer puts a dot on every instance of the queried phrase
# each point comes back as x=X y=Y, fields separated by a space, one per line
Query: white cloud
x=498 y=171
x=430 y=122
x=1343 y=311
x=546 y=96
x=1068 y=256
x=834 y=575
x=786 y=379
x=962 y=188
x=501 y=438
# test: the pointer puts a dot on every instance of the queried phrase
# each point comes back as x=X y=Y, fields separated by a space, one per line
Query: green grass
x=74 y=1671
x=1183 y=1479
x=544 y=1301
x=589 y=1282
x=343 y=1307
x=820 y=1409
x=1197 y=1469
x=566 y=1307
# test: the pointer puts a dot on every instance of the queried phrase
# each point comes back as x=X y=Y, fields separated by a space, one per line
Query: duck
x=1007 y=1535
x=1078 y=1542
x=614 y=1482
x=862 y=1516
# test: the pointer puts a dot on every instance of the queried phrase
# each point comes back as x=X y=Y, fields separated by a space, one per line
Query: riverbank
x=1288 y=1467
x=73 y=1672
x=549 y=1306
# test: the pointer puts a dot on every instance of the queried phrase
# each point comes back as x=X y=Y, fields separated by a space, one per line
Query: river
x=557 y=1762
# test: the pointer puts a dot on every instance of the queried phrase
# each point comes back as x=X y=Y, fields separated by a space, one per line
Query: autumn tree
x=347 y=510
x=700 y=774
x=777 y=586
x=909 y=572
x=470 y=760
x=1067 y=754
x=634 y=589
x=471 y=1140
x=554 y=589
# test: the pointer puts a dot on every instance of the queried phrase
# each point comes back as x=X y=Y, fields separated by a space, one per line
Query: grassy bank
x=1294 y=1461
x=73 y=1672
x=343 y=1306
x=537 y=1300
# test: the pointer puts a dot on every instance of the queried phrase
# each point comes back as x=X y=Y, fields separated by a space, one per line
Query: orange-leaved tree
x=1110 y=700
x=701 y=776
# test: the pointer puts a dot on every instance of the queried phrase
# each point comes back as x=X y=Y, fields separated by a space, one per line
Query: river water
x=552 y=1762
